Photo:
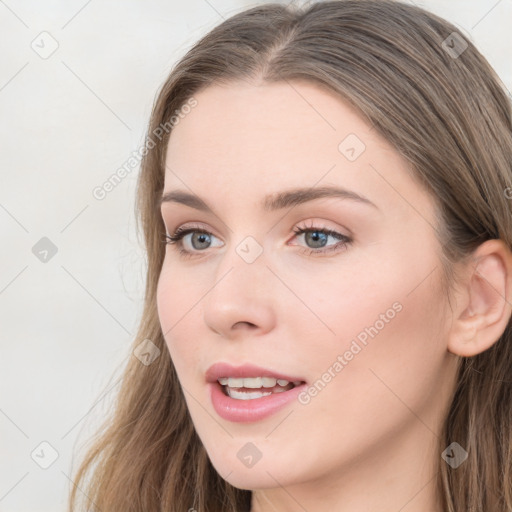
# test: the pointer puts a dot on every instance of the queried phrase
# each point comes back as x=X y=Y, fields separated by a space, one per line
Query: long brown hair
x=438 y=102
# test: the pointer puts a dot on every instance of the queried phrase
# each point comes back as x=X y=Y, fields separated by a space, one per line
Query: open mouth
x=254 y=387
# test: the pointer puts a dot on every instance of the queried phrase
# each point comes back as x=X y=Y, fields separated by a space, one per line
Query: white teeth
x=252 y=382
x=273 y=385
x=235 y=383
x=251 y=395
x=268 y=382
x=257 y=383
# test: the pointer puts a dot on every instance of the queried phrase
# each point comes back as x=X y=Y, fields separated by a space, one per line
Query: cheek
x=388 y=345
x=373 y=391
x=176 y=298
x=381 y=319
x=166 y=300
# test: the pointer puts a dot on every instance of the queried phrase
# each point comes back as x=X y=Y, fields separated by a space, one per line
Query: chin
x=252 y=479
x=262 y=475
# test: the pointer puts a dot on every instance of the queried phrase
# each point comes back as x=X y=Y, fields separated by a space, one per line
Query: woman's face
x=356 y=315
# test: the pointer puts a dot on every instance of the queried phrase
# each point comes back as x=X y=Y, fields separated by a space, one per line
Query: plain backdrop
x=77 y=81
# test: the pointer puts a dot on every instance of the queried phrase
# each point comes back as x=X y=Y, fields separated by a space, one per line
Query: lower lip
x=255 y=409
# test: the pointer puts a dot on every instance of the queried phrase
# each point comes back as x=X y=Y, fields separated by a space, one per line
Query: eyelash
x=177 y=236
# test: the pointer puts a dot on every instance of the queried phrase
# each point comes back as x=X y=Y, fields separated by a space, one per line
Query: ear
x=484 y=300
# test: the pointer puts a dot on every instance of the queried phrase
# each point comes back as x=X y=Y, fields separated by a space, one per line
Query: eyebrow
x=272 y=202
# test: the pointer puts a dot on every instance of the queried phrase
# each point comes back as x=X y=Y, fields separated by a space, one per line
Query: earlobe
x=484 y=299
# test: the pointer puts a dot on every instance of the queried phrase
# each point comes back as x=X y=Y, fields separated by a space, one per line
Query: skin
x=368 y=440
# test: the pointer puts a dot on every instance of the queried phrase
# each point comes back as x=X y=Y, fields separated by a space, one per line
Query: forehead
x=271 y=130
x=249 y=140
x=240 y=117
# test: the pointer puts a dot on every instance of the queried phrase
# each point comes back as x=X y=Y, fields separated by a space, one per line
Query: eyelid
x=311 y=224
x=343 y=241
x=195 y=226
x=317 y=223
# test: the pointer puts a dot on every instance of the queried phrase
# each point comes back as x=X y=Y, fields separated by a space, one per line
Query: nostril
x=249 y=324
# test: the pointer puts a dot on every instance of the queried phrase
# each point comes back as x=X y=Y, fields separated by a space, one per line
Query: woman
x=325 y=201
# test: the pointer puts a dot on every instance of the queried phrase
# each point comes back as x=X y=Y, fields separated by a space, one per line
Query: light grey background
x=68 y=121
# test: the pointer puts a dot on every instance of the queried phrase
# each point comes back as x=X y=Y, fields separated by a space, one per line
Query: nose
x=241 y=298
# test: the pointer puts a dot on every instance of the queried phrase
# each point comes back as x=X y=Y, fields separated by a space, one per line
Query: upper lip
x=222 y=369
